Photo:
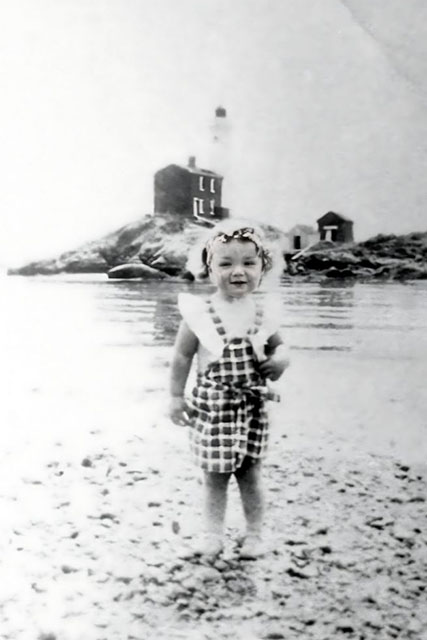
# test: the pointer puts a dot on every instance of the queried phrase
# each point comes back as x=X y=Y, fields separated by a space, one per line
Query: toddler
x=238 y=346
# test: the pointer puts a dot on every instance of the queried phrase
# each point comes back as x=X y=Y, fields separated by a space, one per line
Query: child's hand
x=178 y=411
x=273 y=366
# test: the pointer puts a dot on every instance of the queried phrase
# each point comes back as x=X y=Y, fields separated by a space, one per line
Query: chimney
x=192 y=162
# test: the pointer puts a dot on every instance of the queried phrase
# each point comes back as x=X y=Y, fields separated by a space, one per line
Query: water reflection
x=314 y=316
x=339 y=317
x=335 y=296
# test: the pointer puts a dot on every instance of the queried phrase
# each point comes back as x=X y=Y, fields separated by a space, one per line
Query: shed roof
x=305 y=228
x=337 y=215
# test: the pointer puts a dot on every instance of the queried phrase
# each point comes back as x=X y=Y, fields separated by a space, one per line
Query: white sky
x=325 y=98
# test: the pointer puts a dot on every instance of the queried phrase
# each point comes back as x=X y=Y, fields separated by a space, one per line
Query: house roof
x=196 y=170
x=305 y=228
x=199 y=171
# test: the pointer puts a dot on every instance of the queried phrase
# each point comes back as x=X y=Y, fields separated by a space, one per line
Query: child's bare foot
x=253 y=547
x=209 y=545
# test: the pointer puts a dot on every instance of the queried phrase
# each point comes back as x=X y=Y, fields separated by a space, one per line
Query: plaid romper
x=228 y=405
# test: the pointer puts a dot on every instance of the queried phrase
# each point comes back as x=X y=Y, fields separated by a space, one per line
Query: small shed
x=335 y=227
x=189 y=191
x=302 y=236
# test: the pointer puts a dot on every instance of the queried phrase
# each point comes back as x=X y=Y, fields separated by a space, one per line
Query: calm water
x=360 y=350
x=383 y=320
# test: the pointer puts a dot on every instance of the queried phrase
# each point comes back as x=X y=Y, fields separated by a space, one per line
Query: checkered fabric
x=228 y=406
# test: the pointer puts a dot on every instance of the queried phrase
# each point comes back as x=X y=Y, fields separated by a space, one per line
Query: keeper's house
x=189 y=191
x=335 y=227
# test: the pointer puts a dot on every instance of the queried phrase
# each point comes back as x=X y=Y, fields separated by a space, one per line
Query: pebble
x=302 y=573
x=403 y=534
x=65 y=568
x=372 y=618
x=345 y=626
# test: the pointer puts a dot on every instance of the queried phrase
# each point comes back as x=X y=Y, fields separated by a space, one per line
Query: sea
x=82 y=352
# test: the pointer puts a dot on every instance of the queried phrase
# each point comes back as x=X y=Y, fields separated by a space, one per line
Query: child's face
x=235 y=268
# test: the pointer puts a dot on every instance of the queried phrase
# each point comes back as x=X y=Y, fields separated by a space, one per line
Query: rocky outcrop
x=153 y=247
x=157 y=246
x=388 y=257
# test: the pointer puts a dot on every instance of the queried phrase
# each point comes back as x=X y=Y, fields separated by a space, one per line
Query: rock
x=415 y=626
x=372 y=618
x=379 y=522
x=176 y=527
x=206 y=574
x=124 y=579
x=333 y=272
x=87 y=462
x=65 y=568
x=135 y=270
x=321 y=531
x=305 y=573
x=155 y=246
x=108 y=516
x=345 y=626
x=403 y=534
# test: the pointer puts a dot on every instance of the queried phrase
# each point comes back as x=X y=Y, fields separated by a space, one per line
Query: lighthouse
x=220 y=154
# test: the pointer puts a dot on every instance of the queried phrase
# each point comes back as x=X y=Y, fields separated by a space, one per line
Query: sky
x=326 y=105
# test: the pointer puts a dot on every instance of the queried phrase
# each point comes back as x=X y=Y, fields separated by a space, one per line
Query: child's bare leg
x=216 y=485
x=250 y=485
x=215 y=502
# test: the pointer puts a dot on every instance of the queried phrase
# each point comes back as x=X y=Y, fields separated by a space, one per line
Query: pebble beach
x=99 y=495
x=93 y=531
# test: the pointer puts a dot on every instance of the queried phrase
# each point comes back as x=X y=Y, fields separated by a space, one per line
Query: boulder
x=333 y=272
x=132 y=270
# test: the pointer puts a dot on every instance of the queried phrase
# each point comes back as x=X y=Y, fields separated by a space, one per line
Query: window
x=212 y=207
x=201 y=183
x=198 y=206
x=212 y=185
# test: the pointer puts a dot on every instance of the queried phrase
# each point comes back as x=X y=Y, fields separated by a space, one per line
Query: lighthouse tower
x=220 y=154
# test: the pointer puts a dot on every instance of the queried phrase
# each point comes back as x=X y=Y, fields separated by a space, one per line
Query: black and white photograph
x=213 y=335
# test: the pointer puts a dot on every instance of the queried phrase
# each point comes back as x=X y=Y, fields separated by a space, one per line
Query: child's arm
x=185 y=347
x=277 y=359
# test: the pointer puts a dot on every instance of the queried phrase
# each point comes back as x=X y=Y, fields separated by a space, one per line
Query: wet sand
x=98 y=493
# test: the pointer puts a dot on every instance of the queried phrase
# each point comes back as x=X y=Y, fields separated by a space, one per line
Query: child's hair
x=225 y=231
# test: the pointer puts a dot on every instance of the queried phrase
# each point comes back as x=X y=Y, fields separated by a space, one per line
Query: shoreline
x=157 y=247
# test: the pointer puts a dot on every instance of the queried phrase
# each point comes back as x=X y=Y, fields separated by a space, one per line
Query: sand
x=95 y=509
